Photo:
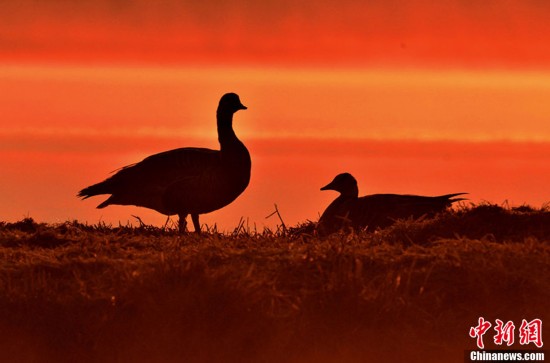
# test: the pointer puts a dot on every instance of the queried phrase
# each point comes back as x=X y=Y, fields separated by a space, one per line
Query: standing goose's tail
x=93 y=190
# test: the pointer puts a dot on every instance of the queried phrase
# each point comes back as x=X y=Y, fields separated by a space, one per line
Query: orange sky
x=424 y=33
x=90 y=86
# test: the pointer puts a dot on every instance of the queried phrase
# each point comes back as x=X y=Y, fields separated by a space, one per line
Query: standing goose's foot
x=196 y=224
x=182 y=223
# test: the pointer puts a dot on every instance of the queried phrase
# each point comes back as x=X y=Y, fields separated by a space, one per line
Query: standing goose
x=187 y=180
x=374 y=211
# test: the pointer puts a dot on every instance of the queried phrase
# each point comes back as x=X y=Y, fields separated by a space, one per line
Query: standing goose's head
x=344 y=183
x=230 y=103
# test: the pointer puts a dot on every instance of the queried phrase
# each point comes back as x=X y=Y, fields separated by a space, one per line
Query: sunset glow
x=452 y=95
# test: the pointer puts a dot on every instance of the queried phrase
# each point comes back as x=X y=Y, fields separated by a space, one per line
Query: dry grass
x=73 y=292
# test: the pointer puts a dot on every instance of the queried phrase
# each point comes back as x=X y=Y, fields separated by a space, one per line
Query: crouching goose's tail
x=450 y=198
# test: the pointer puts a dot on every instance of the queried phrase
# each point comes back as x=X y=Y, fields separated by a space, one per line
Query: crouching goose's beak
x=242 y=107
x=329 y=186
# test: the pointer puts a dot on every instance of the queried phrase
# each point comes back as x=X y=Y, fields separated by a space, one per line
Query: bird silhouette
x=349 y=211
x=187 y=180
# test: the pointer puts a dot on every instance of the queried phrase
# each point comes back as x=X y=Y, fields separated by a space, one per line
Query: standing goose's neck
x=226 y=135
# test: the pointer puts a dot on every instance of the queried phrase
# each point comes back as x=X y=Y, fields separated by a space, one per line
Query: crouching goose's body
x=374 y=211
x=187 y=180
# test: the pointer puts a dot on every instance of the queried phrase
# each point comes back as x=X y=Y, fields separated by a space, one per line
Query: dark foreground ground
x=410 y=293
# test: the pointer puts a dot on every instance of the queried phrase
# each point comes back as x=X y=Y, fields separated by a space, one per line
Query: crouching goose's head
x=230 y=103
x=344 y=183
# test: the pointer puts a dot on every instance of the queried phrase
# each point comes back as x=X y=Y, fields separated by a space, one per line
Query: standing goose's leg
x=166 y=223
x=196 y=224
x=182 y=223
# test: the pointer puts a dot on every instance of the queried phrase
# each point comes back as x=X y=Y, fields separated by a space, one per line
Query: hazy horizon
x=41 y=181
x=339 y=103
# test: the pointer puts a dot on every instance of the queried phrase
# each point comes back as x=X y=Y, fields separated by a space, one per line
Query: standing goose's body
x=187 y=180
x=374 y=211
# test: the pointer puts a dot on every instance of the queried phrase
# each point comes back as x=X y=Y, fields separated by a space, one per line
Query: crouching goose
x=374 y=211
x=187 y=180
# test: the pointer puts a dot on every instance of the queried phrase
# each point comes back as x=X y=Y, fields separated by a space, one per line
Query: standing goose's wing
x=145 y=183
x=163 y=168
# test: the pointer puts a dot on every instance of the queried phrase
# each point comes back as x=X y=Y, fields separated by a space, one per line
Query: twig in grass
x=141 y=224
x=240 y=227
x=280 y=218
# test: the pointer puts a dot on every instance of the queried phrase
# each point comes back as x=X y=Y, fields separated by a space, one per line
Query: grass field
x=79 y=293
